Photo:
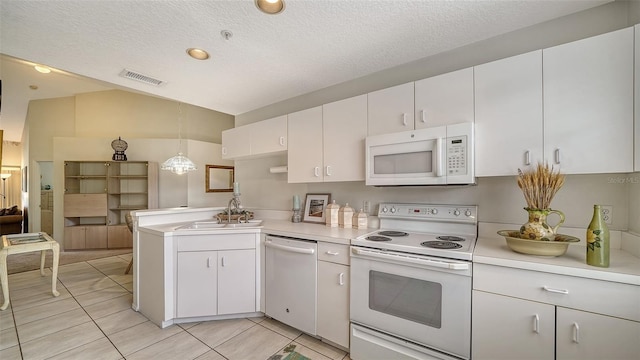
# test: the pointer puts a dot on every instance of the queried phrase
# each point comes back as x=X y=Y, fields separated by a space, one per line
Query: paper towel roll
x=278 y=169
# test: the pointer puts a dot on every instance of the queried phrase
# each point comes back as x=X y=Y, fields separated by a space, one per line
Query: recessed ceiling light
x=198 y=54
x=270 y=6
x=42 y=69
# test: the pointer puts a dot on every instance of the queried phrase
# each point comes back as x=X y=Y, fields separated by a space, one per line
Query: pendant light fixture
x=179 y=164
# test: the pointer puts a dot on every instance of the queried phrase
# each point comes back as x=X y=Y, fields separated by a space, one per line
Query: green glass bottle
x=598 y=240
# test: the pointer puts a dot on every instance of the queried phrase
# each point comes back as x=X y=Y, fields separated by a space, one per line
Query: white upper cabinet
x=444 y=99
x=305 y=146
x=236 y=142
x=637 y=99
x=260 y=138
x=326 y=143
x=344 y=129
x=508 y=114
x=269 y=136
x=588 y=104
x=391 y=109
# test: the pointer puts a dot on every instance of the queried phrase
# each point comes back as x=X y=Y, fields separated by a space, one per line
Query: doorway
x=46 y=196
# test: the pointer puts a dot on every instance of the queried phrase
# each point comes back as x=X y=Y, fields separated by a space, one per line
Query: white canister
x=360 y=220
x=345 y=216
x=331 y=214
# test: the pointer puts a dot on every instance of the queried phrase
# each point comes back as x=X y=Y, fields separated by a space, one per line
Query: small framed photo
x=314 y=206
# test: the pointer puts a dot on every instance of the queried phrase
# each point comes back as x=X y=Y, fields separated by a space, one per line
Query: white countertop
x=308 y=231
x=624 y=267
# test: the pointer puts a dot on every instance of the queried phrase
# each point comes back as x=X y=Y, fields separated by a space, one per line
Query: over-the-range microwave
x=442 y=155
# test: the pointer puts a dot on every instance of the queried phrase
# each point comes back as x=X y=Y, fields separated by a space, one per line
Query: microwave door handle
x=440 y=155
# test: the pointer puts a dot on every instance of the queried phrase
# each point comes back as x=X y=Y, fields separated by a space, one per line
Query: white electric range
x=411 y=283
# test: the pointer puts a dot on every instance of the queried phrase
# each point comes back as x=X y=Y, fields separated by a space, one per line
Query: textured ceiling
x=311 y=45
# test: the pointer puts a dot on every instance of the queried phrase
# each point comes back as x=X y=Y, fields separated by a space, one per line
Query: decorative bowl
x=555 y=246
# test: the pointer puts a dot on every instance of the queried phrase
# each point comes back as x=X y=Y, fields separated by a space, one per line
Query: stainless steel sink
x=203 y=225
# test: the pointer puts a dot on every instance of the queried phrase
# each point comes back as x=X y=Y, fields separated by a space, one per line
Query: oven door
x=422 y=299
x=406 y=158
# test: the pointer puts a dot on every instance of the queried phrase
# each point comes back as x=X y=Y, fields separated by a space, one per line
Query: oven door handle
x=412 y=259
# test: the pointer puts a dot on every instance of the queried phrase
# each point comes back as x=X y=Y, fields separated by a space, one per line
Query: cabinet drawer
x=336 y=253
x=216 y=242
x=602 y=297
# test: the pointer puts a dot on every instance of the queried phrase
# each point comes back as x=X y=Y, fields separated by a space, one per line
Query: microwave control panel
x=457 y=155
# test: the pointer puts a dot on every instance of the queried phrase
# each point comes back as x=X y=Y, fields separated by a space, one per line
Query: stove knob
x=434 y=211
x=384 y=209
x=467 y=213
x=456 y=212
x=393 y=210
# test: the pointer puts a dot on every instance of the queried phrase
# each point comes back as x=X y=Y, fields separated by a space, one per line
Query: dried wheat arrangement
x=539 y=185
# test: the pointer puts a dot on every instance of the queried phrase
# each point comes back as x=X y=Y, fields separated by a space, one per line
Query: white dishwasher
x=291 y=281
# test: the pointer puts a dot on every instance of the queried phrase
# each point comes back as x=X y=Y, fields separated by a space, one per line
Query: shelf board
x=128 y=193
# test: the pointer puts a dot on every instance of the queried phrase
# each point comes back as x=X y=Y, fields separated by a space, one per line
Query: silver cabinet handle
x=536 y=324
x=527 y=157
x=557 y=291
x=424 y=116
x=209 y=262
x=341 y=279
x=281 y=140
x=224 y=150
x=404 y=119
x=328 y=170
x=556 y=155
x=576 y=333
x=222 y=262
x=333 y=253
x=316 y=171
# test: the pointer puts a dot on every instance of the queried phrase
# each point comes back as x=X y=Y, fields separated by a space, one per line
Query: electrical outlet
x=365 y=206
x=607 y=213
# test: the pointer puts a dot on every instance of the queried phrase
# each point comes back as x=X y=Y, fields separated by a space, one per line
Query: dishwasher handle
x=271 y=244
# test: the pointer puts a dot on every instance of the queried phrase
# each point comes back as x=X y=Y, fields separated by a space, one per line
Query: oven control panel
x=463 y=213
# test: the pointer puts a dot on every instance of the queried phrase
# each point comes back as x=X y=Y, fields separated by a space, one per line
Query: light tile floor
x=92 y=319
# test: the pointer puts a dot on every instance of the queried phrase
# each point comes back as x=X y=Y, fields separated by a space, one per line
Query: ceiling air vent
x=139 y=77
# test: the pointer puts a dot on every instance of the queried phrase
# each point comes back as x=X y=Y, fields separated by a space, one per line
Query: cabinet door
x=269 y=136
x=344 y=125
x=74 y=237
x=588 y=104
x=96 y=237
x=390 y=110
x=197 y=284
x=509 y=328
x=333 y=302
x=236 y=142
x=236 y=281
x=582 y=335
x=444 y=99
x=305 y=146
x=119 y=236
x=508 y=103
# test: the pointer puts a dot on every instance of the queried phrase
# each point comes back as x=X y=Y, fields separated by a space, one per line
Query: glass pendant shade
x=179 y=164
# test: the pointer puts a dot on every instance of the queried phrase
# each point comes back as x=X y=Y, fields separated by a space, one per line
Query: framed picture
x=219 y=178
x=314 y=206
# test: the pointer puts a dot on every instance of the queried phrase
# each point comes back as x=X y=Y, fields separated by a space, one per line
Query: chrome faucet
x=235 y=200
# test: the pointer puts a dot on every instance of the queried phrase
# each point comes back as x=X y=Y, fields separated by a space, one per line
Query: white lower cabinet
x=509 y=328
x=197 y=284
x=523 y=314
x=333 y=293
x=216 y=283
x=584 y=335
